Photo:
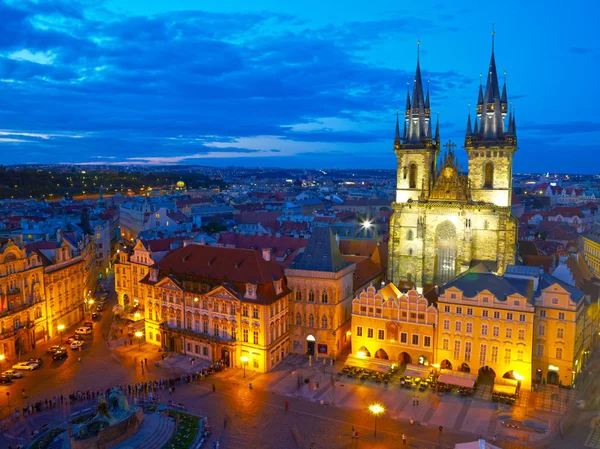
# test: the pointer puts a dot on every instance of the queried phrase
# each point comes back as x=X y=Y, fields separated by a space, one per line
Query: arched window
x=324 y=322
x=298 y=295
x=298 y=319
x=410 y=235
x=412 y=181
x=311 y=321
x=324 y=297
x=488 y=175
x=311 y=296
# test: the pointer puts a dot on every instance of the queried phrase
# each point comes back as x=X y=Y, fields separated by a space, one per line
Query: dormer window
x=250 y=290
x=153 y=274
x=278 y=288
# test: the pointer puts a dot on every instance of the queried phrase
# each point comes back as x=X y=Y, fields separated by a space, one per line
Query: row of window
x=404 y=314
x=560 y=332
x=508 y=332
x=414 y=338
x=486 y=313
x=468 y=350
x=311 y=321
x=311 y=296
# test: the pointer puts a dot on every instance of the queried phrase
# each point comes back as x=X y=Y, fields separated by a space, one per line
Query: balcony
x=193 y=334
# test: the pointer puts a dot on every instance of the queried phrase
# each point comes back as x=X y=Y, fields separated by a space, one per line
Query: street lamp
x=139 y=334
x=244 y=360
x=90 y=302
x=376 y=409
x=2 y=357
x=60 y=327
x=137 y=315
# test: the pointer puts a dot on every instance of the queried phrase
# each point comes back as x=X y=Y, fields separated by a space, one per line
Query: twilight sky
x=281 y=83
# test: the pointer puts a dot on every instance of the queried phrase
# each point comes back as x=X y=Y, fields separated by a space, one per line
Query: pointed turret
x=469 y=129
x=437 y=129
x=429 y=129
x=479 y=107
x=408 y=107
x=503 y=100
x=417 y=110
x=427 y=98
x=510 y=124
x=397 y=135
x=476 y=128
x=514 y=123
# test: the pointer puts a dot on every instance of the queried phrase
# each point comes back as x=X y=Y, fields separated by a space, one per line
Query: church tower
x=446 y=222
x=417 y=149
x=491 y=145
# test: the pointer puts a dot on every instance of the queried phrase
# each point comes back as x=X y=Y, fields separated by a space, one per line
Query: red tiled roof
x=366 y=270
x=159 y=245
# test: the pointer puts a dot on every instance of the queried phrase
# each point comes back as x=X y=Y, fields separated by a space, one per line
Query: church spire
x=476 y=128
x=437 y=129
x=397 y=135
x=469 y=128
x=427 y=97
x=417 y=112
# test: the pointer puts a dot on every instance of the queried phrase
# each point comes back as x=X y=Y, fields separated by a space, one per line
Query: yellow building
x=390 y=325
x=486 y=325
x=589 y=243
x=220 y=304
x=22 y=311
x=320 y=311
x=445 y=221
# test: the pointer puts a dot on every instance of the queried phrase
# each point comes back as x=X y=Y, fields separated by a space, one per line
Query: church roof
x=321 y=253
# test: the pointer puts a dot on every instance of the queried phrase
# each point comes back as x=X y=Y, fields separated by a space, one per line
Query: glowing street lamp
x=244 y=360
x=376 y=409
x=60 y=327
x=139 y=335
x=366 y=224
x=2 y=357
x=137 y=315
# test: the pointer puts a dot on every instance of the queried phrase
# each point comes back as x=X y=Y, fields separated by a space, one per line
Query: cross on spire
x=450 y=145
x=493 y=34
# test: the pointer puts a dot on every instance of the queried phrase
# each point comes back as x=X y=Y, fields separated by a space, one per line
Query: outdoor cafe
x=463 y=383
x=505 y=390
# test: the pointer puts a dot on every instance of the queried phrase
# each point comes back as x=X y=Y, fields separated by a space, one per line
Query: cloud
x=578 y=127
x=580 y=50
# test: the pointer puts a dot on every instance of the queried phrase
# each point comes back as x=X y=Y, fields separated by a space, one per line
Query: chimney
x=266 y=253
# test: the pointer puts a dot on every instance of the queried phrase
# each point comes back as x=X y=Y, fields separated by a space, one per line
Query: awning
x=460 y=379
x=506 y=386
x=381 y=365
x=417 y=371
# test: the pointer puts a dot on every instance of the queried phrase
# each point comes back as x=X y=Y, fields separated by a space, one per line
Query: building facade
x=445 y=221
x=220 y=304
x=390 y=325
x=589 y=246
x=322 y=284
x=22 y=311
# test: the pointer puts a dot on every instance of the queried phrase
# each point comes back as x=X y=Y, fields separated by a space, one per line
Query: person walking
x=417 y=398
x=146 y=362
x=440 y=430
x=214 y=388
x=414 y=401
x=404 y=439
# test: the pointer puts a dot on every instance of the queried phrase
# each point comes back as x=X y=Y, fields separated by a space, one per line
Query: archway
x=392 y=331
x=40 y=333
x=446 y=364
x=552 y=378
x=125 y=300
x=510 y=375
x=364 y=352
x=310 y=343
x=225 y=357
x=412 y=176
x=381 y=354
x=445 y=239
x=486 y=375
x=423 y=360
x=465 y=368
x=404 y=358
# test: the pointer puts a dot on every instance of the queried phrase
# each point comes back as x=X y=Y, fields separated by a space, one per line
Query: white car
x=76 y=344
x=12 y=373
x=83 y=331
x=26 y=365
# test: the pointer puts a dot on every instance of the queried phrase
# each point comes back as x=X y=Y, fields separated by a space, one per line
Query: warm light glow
x=553 y=368
x=139 y=334
x=376 y=409
x=60 y=327
x=196 y=299
x=90 y=302
x=366 y=224
x=2 y=357
x=244 y=359
x=436 y=365
x=348 y=333
x=393 y=365
x=137 y=315
x=361 y=354
x=518 y=376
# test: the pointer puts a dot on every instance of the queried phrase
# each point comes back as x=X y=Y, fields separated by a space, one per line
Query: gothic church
x=446 y=221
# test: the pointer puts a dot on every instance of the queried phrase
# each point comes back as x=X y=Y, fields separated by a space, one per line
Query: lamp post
x=60 y=327
x=90 y=302
x=244 y=360
x=2 y=357
x=377 y=410
x=139 y=334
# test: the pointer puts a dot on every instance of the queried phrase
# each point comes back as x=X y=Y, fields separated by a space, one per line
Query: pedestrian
x=414 y=401
x=417 y=398
x=214 y=389
x=356 y=434
x=403 y=438
x=494 y=439
x=287 y=405
x=225 y=423
x=440 y=429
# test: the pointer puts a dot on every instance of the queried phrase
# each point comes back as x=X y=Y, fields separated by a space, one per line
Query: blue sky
x=292 y=84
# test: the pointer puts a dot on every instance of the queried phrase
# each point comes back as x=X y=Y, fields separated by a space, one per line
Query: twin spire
x=417 y=115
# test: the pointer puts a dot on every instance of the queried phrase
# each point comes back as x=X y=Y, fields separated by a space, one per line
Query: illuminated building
x=445 y=221
x=390 y=325
x=589 y=243
x=219 y=304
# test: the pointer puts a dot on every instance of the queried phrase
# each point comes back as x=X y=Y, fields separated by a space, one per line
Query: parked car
x=12 y=373
x=60 y=354
x=95 y=316
x=5 y=378
x=83 y=330
x=89 y=324
x=28 y=366
x=72 y=338
x=37 y=360
x=100 y=307
x=76 y=344
x=52 y=349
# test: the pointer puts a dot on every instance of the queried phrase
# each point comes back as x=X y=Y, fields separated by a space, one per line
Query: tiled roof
x=366 y=270
x=471 y=283
x=321 y=253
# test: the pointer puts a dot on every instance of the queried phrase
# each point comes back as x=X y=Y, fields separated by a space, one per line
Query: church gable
x=169 y=284
x=222 y=292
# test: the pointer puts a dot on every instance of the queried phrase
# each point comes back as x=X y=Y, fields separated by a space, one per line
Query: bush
x=44 y=441
x=187 y=429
